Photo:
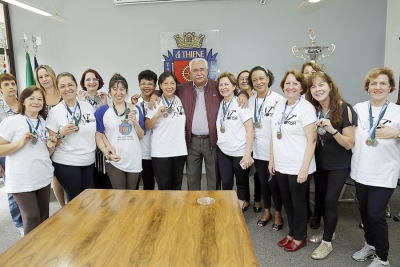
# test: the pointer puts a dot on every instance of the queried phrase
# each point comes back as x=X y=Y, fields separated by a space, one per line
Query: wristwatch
x=59 y=136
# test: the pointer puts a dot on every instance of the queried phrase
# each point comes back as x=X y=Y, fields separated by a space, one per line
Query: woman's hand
x=327 y=124
x=26 y=137
x=103 y=98
x=161 y=111
x=68 y=129
x=386 y=132
x=53 y=139
x=135 y=99
x=243 y=101
x=246 y=162
x=302 y=176
x=82 y=95
x=271 y=167
x=154 y=100
x=132 y=116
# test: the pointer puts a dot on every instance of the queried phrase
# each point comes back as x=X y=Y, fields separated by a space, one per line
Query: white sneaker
x=364 y=253
x=378 y=263
x=318 y=237
x=21 y=231
x=322 y=251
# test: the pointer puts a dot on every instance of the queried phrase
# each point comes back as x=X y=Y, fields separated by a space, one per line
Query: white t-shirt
x=145 y=142
x=376 y=166
x=168 y=138
x=78 y=148
x=289 y=150
x=261 y=143
x=233 y=141
x=29 y=168
x=122 y=137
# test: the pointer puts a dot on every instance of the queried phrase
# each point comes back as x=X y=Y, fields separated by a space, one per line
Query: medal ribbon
x=224 y=110
x=123 y=113
x=73 y=113
x=144 y=110
x=283 y=118
x=372 y=127
x=165 y=100
x=320 y=113
x=257 y=116
x=34 y=130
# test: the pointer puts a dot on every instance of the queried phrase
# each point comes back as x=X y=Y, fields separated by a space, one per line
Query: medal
x=77 y=128
x=279 y=135
x=169 y=110
x=49 y=144
x=371 y=141
x=374 y=142
x=314 y=128
x=96 y=99
x=256 y=125
x=73 y=120
x=222 y=129
x=34 y=140
x=165 y=115
x=168 y=104
x=368 y=141
x=257 y=113
x=321 y=130
x=284 y=117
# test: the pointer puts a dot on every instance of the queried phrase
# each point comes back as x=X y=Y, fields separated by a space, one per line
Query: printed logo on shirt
x=125 y=128
x=268 y=111
x=86 y=119
x=291 y=120
x=231 y=115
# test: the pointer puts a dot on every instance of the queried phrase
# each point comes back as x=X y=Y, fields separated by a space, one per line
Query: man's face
x=199 y=72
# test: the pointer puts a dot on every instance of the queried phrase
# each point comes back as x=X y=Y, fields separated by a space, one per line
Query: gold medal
x=314 y=128
x=49 y=144
x=279 y=135
x=222 y=129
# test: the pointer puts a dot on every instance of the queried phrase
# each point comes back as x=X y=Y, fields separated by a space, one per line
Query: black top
x=329 y=155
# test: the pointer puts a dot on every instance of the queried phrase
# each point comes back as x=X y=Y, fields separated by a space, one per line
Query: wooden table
x=139 y=228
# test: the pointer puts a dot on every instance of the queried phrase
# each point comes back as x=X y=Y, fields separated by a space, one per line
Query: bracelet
x=335 y=133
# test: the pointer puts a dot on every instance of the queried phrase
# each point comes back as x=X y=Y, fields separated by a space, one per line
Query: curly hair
x=335 y=98
x=267 y=72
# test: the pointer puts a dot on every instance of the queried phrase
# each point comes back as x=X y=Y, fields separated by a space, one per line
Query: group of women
x=98 y=140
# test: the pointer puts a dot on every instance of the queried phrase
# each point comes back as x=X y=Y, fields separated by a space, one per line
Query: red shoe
x=284 y=242
x=292 y=247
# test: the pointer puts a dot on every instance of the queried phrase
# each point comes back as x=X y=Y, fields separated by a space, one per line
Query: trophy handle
x=295 y=50
x=331 y=50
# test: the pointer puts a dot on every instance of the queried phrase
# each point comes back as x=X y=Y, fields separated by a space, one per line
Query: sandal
x=277 y=227
x=262 y=223
x=245 y=207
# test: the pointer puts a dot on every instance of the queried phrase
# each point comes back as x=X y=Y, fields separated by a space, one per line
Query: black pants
x=373 y=201
x=230 y=167
x=328 y=185
x=34 y=207
x=101 y=180
x=147 y=174
x=268 y=188
x=257 y=189
x=74 y=179
x=294 y=198
x=169 y=172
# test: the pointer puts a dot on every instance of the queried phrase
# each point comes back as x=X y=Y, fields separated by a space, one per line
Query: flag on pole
x=35 y=63
x=5 y=70
x=29 y=73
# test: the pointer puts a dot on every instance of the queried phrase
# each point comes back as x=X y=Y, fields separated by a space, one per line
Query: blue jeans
x=14 y=210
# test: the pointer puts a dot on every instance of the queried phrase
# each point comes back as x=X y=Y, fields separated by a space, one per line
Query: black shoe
x=257 y=209
x=245 y=207
x=315 y=222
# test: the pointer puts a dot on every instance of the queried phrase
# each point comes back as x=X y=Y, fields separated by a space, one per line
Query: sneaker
x=364 y=253
x=378 y=263
x=318 y=237
x=21 y=231
x=322 y=251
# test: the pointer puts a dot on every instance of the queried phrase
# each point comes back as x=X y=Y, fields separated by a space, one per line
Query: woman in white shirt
x=262 y=106
x=119 y=130
x=73 y=123
x=235 y=138
x=168 y=145
x=292 y=155
x=375 y=162
x=27 y=145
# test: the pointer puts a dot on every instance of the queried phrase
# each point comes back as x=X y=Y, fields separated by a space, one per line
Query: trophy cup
x=312 y=53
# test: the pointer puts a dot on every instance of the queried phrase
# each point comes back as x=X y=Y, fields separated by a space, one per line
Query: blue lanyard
x=320 y=113
x=283 y=118
x=165 y=101
x=372 y=127
x=34 y=130
x=257 y=116
x=73 y=118
x=224 y=111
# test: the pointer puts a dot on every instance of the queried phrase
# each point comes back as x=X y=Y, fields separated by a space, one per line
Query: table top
x=139 y=228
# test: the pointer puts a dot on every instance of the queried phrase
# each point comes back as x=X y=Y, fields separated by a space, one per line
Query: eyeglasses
x=146 y=84
x=244 y=79
x=198 y=70
x=63 y=86
x=92 y=80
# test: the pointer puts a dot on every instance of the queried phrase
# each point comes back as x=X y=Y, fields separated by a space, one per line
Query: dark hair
x=65 y=74
x=7 y=77
x=117 y=78
x=313 y=65
x=82 y=83
x=335 y=98
x=299 y=77
x=267 y=72
x=27 y=92
x=231 y=79
x=164 y=76
x=148 y=75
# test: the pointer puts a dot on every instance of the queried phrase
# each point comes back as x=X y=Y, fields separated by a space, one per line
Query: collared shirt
x=200 y=121
x=5 y=110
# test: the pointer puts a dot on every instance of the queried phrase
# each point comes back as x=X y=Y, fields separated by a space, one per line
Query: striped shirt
x=5 y=110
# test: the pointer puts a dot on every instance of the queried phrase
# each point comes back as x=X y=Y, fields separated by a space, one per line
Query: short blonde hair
x=231 y=78
x=374 y=73
x=299 y=77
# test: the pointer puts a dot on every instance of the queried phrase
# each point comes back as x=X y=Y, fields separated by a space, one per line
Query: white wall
x=125 y=39
x=392 y=51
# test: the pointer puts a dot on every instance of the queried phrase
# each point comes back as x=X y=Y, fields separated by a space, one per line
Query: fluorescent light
x=35 y=9
x=314 y=1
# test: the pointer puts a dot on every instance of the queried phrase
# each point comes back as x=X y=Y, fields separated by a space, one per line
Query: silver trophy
x=313 y=52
